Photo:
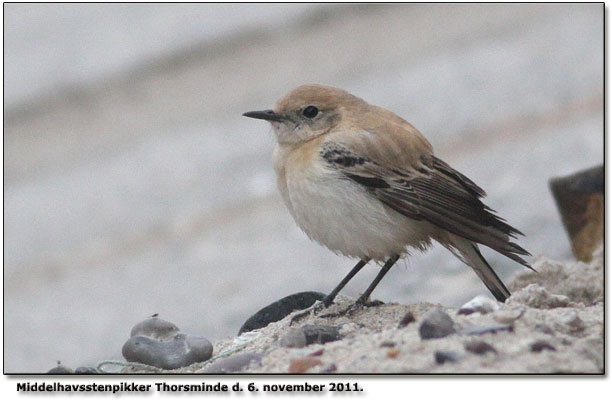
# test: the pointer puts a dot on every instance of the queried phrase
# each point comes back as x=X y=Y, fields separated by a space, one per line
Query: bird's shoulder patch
x=340 y=156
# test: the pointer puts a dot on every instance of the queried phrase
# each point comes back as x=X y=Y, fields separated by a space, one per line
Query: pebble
x=480 y=303
x=330 y=369
x=294 y=338
x=393 y=353
x=508 y=316
x=479 y=347
x=387 y=343
x=310 y=334
x=436 y=324
x=86 y=371
x=540 y=345
x=280 y=309
x=60 y=370
x=234 y=363
x=154 y=328
x=303 y=364
x=161 y=344
x=406 y=320
x=445 y=356
x=321 y=333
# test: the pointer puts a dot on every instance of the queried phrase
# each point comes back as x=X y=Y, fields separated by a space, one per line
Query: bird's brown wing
x=430 y=190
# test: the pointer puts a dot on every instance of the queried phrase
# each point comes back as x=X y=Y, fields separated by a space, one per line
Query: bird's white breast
x=339 y=213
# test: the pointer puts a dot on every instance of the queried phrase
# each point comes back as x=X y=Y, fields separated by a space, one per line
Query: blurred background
x=133 y=185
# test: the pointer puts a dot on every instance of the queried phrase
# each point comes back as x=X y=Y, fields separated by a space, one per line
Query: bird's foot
x=354 y=308
x=313 y=310
x=349 y=311
x=299 y=317
x=374 y=303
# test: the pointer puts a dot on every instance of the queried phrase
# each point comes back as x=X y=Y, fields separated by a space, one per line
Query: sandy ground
x=144 y=191
x=561 y=306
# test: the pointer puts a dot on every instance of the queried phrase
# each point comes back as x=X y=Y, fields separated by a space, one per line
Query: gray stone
x=310 y=334
x=60 y=370
x=436 y=324
x=86 y=371
x=155 y=328
x=233 y=364
x=160 y=343
x=280 y=309
x=321 y=334
x=294 y=338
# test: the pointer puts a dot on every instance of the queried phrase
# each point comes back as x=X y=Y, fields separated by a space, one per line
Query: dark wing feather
x=438 y=194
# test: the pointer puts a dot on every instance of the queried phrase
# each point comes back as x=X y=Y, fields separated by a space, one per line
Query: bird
x=365 y=183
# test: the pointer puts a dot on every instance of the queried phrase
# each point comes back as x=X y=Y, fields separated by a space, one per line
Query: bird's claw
x=314 y=310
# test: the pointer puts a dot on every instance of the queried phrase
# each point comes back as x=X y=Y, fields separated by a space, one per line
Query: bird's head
x=308 y=112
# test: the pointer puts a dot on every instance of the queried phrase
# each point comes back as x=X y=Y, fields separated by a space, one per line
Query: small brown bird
x=365 y=183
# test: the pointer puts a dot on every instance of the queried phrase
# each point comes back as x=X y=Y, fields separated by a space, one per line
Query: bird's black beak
x=268 y=115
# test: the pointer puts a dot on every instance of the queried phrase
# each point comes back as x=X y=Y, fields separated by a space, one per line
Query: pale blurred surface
x=133 y=185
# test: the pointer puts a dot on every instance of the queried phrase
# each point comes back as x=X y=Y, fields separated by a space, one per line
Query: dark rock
x=234 y=363
x=479 y=347
x=580 y=200
x=445 y=356
x=160 y=343
x=436 y=324
x=387 y=343
x=480 y=330
x=280 y=309
x=540 y=345
x=60 y=370
x=86 y=371
x=406 y=319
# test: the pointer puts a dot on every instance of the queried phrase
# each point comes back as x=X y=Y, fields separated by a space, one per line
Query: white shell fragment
x=480 y=303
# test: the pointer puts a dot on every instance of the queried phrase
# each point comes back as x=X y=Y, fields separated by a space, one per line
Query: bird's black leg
x=366 y=295
x=329 y=299
x=361 y=301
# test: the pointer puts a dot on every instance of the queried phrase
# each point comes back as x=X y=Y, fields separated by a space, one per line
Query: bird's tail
x=469 y=253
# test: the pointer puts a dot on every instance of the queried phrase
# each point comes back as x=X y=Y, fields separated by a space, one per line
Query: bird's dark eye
x=310 y=112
